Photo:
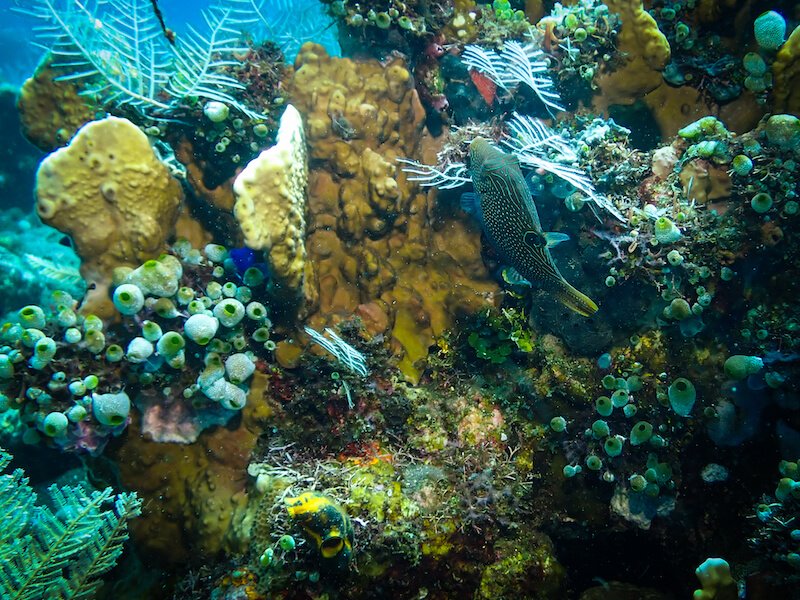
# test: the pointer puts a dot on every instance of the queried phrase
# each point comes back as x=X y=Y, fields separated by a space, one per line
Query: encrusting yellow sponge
x=271 y=204
x=109 y=191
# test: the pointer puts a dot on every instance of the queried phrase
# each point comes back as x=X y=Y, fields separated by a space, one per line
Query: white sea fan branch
x=452 y=176
x=344 y=352
x=527 y=134
x=487 y=62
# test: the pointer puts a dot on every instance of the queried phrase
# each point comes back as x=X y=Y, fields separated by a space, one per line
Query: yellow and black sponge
x=326 y=524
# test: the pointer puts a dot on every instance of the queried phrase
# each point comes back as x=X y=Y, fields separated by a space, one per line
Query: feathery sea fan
x=58 y=553
x=124 y=57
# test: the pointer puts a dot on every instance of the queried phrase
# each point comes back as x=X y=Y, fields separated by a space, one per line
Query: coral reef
x=291 y=340
x=370 y=238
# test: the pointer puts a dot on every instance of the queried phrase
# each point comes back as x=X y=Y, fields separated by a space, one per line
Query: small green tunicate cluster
x=68 y=399
x=192 y=335
x=706 y=127
x=614 y=439
x=364 y=15
x=587 y=31
x=779 y=535
x=713 y=150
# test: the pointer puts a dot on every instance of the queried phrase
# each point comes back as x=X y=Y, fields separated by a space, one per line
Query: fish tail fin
x=576 y=300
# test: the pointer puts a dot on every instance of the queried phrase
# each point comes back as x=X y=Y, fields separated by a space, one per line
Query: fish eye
x=534 y=239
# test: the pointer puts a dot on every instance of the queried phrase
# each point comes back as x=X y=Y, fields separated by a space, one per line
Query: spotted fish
x=505 y=206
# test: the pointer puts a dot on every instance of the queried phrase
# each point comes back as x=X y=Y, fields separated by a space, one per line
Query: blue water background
x=19 y=53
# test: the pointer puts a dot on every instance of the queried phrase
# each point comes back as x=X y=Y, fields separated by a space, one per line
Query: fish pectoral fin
x=471 y=204
x=554 y=238
x=512 y=277
x=534 y=239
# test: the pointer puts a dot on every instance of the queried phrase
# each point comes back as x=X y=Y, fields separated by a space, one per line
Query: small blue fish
x=504 y=204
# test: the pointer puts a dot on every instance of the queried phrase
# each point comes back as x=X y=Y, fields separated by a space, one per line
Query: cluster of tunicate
x=710 y=140
x=698 y=57
x=195 y=341
x=622 y=443
x=381 y=16
x=764 y=170
x=778 y=534
x=583 y=38
x=759 y=76
x=189 y=333
x=55 y=385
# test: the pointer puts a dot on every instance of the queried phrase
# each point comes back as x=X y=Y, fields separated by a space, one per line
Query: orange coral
x=374 y=238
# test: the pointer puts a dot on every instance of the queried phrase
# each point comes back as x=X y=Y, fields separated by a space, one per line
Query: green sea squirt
x=505 y=207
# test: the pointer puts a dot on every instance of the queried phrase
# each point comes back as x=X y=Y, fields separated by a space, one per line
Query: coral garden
x=285 y=310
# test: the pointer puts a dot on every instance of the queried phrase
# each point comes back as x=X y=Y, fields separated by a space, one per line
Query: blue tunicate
x=55 y=424
x=604 y=361
x=682 y=396
x=640 y=433
x=620 y=398
x=558 y=424
x=600 y=429
x=604 y=406
x=609 y=382
x=742 y=165
x=754 y=64
x=613 y=445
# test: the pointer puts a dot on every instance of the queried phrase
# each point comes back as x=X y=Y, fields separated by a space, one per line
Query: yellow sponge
x=109 y=191
x=271 y=204
x=786 y=74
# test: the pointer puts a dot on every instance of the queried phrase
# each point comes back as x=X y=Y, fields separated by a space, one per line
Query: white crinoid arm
x=201 y=60
x=529 y=135
x=575 y=177
x=344 y=352
x=452 y=176
x=487 y=62
x=524 y=64
x=117 y=48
